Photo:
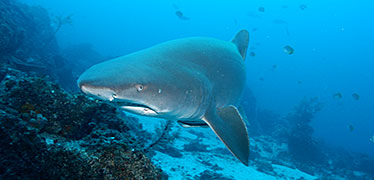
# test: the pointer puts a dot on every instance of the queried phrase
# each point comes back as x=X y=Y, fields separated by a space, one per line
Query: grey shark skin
x=192 y=79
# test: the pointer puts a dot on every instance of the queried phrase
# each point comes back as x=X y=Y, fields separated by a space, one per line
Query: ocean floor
x=213 y=161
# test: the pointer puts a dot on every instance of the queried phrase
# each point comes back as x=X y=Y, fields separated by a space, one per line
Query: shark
x=197 y=81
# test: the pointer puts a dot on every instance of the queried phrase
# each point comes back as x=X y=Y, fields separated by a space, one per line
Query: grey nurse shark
x=197 y=81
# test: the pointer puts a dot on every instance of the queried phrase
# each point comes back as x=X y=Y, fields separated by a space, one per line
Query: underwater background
x=308 y=100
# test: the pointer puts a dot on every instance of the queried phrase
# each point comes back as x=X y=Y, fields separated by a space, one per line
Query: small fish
x=253 y=54
x=254 y=29
x=337 y=95
x=261 y=9
x=303 y=6
x=274 y=66
x=299 y=82
x=261 y=79
x=351 y=128
x=372 y=138
x=180 y=15
x=288 y=49
x=356 y=96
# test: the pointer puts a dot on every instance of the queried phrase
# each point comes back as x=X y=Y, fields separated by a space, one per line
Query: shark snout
x=84 y=86
x=85 y=89
x=103 y=93
x=81 y=86
x=81 y=82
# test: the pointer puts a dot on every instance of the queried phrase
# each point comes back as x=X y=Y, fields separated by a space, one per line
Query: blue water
x=333 y=43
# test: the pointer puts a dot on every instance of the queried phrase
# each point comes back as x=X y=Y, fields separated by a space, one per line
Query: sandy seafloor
x=190 y=165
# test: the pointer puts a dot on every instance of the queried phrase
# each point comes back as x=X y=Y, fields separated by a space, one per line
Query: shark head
x=131 y=99
x=125 y=87
x=134 y=87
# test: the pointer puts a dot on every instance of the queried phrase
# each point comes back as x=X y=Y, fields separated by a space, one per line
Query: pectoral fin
x=229 y=126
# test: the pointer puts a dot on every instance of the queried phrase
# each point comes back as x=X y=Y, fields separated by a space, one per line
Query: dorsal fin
x=241 y=40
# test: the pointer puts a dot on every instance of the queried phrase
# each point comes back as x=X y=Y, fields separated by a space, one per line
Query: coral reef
x=301 y=145
x=289 y=141
x=48 y=133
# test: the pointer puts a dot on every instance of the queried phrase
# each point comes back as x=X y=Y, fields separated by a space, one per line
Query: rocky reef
x=26 y=33
x=47 y=133
x=28 y=41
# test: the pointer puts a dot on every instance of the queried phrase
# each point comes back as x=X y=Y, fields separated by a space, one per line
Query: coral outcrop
x=47 y=133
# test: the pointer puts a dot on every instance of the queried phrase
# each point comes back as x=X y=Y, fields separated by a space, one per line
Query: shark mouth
x=136 y=108
x=131 y=104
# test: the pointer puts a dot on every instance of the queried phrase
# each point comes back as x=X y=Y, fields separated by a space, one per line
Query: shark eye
x=139 y=87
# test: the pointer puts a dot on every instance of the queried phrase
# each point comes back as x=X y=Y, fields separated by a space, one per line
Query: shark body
x=197 y=81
